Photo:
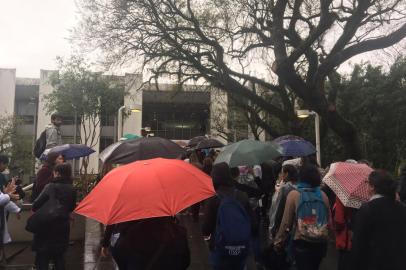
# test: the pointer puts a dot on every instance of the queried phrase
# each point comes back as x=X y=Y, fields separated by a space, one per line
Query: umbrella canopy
x=128 y=151
x=69 y=151
x=349 y=182
x=209 y=143
x=296 y=148
x=195 y=140
x=130 y=136
x=248 y=153
x=287 y=138
x=145 y=189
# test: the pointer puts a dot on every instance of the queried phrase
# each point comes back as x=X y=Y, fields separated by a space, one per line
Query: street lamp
x=120 y=119
x=306 y=113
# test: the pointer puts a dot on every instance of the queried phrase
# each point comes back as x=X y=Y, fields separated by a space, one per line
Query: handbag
x=51 y=211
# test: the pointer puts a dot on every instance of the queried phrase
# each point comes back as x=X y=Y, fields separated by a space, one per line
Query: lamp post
x=75 y=131
x=305 y=114
x=120 y=122
x=120 y=119
x=34 y=102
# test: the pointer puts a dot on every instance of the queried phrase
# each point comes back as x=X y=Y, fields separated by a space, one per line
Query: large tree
x=288 y=48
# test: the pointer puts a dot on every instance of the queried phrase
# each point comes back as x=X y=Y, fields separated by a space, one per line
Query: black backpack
x=40 y=144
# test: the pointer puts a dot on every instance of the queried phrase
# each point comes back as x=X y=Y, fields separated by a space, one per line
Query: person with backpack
x=308 y=218
x=229 y=223
x=58 y=199
x=53 y=131
x=45 y=175
x=50 y=137
x=379 y=239
x=289 y=178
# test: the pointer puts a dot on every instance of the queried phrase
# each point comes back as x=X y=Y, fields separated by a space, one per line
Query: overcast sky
x=33 y=33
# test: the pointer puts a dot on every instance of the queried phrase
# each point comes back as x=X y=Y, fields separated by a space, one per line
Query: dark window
x=105 y=142
x=107 y=120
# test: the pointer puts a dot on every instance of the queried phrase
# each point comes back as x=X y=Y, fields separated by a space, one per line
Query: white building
x=170 y=113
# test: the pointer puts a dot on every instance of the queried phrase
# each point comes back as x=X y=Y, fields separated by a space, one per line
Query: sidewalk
x=77 y=252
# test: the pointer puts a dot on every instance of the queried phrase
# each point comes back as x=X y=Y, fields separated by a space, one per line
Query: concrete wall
x=133 y=123
x=44 y=88
x=7 y=91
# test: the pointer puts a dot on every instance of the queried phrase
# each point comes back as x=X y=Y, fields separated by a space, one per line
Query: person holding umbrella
x=379 y=241
x=51 y=243
x=144 y=198
x=45 y=174
x=308 y=217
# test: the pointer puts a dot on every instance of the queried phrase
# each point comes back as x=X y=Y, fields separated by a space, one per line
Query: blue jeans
x=219 y=262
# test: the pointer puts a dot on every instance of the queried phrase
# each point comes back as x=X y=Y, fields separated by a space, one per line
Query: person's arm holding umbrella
x=210 y=217
x=105 y=244
x=287 y=220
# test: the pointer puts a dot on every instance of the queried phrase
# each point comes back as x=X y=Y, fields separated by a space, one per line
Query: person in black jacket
x=149 y=244
x=379 y=239
x=52 y=243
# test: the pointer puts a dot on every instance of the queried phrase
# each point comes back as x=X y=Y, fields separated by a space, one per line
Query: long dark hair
x=51 y=158
x=310 y=174
x=291 y=171
x=65 y=172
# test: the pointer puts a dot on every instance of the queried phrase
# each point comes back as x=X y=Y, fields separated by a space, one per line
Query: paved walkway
x=76 y=253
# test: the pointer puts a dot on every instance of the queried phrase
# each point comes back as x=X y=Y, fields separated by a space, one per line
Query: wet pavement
x=77 y=258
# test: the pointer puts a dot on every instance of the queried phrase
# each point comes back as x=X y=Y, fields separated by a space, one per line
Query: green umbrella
x=248 y=153
x=130 y=136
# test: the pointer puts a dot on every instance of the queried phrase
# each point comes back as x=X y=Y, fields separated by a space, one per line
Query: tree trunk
x=347 y=133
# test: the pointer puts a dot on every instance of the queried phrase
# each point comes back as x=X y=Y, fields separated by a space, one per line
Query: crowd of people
x=53 y=199
x=278 y=215
x=260 y=217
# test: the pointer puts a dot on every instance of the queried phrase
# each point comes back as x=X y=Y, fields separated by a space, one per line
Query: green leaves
x=88 y=93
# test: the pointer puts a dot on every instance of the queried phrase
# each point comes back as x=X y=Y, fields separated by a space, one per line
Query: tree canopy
x=90 y=94
x=375 y=100
x=86 y=94
x=287 y=48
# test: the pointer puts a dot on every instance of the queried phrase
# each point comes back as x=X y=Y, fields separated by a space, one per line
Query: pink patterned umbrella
x=349 y=182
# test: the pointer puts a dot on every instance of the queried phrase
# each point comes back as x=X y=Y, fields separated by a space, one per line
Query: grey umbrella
x=128 y=151
x=209 y=143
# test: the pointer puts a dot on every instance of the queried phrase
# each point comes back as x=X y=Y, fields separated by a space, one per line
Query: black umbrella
x=195 y=141
x=140 y=149
x=209 y=143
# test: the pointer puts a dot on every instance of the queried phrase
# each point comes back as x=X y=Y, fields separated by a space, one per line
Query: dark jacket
x=379 y=240
x=56 y=238
x=157 y=243
x=44 y=177
x=211 y=208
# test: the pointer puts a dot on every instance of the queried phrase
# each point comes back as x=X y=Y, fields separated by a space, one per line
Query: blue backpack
x=312 y=216
x=233 y=229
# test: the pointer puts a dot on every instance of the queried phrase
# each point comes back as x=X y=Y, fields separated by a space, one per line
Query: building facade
x=169 y=112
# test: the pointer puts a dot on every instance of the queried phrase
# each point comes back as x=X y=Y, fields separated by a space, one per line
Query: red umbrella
x=145 y=189
x=349 y=182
